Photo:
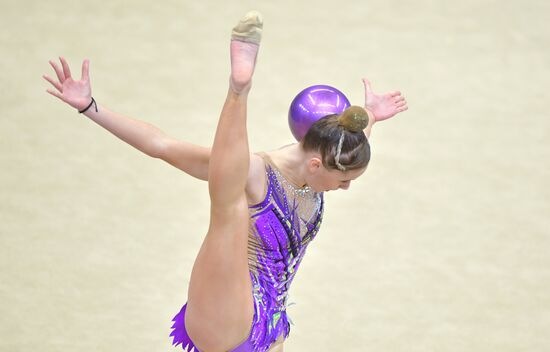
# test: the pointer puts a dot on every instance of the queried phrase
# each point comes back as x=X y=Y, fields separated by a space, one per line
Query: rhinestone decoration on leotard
x=298 y=191
x=304 y=199
x=281 y=227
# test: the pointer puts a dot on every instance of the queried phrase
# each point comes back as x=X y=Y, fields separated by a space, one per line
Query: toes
x=249 y=28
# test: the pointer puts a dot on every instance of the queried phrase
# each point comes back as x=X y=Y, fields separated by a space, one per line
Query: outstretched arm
x=382 y=107
x=190 y=158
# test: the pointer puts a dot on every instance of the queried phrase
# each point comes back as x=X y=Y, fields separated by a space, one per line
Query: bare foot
x=245 y=42
x=383 y=106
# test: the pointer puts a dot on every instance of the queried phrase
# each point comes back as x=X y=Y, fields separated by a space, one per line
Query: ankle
x=239 y=90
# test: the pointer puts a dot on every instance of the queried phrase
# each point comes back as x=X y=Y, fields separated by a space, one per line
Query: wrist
x=91 y=105
x=372 y=118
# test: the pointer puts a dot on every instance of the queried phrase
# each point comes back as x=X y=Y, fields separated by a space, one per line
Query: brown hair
x=340 y=139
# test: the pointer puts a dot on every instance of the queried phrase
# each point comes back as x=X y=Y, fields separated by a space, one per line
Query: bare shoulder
x=256 y=183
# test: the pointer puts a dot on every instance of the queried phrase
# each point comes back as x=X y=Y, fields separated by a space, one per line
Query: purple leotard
x=281 y=227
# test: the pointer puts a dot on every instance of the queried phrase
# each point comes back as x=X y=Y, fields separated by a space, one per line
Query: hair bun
x=354 y=118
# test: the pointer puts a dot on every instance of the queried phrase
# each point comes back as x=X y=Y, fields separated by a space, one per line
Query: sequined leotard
x=281 y=227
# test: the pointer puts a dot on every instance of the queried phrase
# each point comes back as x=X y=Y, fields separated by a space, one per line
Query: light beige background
x=443 y=245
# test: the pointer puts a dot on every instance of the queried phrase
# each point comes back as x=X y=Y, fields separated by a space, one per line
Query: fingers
x=55 y=94
x=400 y=104
x=86 y=70
x=395 y=93
x=367 y=85
x=400 y=98
x=66 y=70
x=58 y=72
x=402 y=109
x=57 y=85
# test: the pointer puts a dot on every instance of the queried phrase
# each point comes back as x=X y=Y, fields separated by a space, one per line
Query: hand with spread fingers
x=383 y=106
x=77 y=94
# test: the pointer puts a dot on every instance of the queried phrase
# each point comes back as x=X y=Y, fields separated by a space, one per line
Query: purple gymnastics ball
x=313 y=103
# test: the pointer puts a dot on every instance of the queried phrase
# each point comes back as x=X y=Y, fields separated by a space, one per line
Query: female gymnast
x=265 y=207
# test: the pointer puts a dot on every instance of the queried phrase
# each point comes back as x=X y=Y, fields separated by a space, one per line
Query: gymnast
x=265 y=207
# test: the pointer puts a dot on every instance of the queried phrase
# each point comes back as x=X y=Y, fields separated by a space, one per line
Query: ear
x=314 y=164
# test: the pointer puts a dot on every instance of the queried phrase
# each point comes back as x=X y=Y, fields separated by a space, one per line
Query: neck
x=292 y=161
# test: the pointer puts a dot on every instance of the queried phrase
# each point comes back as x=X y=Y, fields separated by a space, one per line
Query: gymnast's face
x=322 y=179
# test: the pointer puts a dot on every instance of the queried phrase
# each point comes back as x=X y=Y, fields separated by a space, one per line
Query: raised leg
x=220 y=306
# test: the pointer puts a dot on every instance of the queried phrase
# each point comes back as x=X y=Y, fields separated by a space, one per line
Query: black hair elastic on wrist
x=92 y=103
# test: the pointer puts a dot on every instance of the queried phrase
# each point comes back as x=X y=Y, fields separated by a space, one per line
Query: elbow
x=157 y=148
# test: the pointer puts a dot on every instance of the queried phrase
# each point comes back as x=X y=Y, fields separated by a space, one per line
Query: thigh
x=277 y=345
x=220 y=306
